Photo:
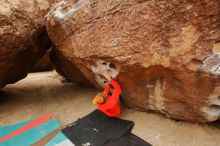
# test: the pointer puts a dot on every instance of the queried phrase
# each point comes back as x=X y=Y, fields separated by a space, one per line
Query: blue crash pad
x=29 y=137
x=58 y=139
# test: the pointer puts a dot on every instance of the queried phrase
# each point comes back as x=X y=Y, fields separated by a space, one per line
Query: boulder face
x=23 y=37
x=67 y=69
x=165 y=54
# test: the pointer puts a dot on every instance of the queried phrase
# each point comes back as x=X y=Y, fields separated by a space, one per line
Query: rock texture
x=23 y=37
x=165 y=54
x=67 y=69
x=44 y=64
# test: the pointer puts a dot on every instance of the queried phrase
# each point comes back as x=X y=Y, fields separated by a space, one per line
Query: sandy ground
x=43 y=93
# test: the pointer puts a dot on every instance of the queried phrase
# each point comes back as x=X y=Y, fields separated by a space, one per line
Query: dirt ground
x=43 y=93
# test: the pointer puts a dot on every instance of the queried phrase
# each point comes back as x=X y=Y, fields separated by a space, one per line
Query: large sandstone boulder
x=165 y=54
x=23 y=37
x=67 y=69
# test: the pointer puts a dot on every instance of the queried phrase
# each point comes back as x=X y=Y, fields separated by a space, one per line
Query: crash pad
x=96 y=129
x=30 y=136
x=60 y=140
x=5 y=130
x=43 y=141
x=128 y=140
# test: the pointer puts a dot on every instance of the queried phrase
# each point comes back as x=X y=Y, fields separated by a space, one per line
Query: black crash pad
x=128 y=140
x=97 y=129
